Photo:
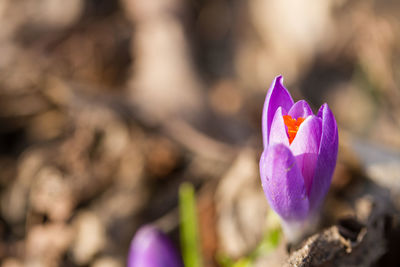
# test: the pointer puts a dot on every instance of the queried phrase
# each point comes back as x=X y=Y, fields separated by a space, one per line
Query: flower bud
x=299 y=157
x=152 y=248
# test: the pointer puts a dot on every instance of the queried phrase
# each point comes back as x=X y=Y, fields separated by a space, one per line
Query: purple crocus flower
x=299 y=157
x=152 y=248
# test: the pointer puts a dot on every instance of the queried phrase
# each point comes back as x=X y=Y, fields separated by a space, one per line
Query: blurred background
x=107 y=106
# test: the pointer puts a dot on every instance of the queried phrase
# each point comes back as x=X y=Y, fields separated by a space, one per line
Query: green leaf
x=188 y=226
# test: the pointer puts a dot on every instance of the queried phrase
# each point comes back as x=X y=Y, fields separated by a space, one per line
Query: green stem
x=188 y=226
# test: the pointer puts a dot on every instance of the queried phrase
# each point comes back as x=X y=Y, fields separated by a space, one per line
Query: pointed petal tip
x=277 y=96
x=300 y=109
x=324 y=108
x=326 y=114
x=278 y=80
x=278 y=129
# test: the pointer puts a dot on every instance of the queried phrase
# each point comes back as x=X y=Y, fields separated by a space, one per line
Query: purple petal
x=151 y=248
x=283 y=183
x=327 y=157
x=300 y=109
x=305 y=147
x=278 y=133
x=277 y=96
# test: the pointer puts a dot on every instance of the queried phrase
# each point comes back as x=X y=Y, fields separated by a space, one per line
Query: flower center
x=292 y=126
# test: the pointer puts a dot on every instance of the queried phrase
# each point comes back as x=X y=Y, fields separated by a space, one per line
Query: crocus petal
x=327 y=157
x=283 y=183
x=305 y=148
x=151 y=248
x=278 y=129
x=277 y=96
x=300 y=109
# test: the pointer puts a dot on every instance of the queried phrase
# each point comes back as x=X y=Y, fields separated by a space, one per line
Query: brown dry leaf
x=89 y=239
x=46 y=244
x=164 y=74
x=241 y=206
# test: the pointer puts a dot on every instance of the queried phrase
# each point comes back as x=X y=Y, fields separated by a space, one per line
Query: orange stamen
x=292 y=126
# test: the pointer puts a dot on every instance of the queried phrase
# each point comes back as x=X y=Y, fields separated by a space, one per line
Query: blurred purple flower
x=299 y=157
x=152 y=248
